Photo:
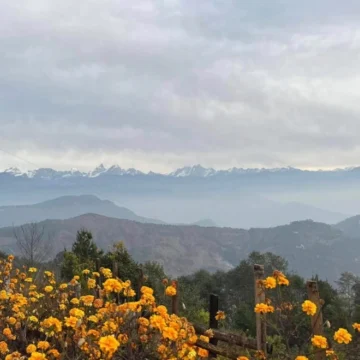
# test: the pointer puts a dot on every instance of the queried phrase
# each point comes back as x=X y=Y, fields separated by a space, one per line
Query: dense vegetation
x=289 y=332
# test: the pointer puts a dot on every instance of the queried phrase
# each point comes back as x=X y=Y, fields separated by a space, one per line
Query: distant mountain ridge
x=187 y=171
x=236 y=197
x=311 y=248
x=66 y=207
x=350 y=226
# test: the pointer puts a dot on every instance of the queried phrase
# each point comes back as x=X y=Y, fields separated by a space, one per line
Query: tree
x=84 y=247
x=127 y=268
x=346 y=285
x=31 y=241
x=83 y=255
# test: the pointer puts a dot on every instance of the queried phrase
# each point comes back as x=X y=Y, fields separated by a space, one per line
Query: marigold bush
x=49 y=322
x=282 y=309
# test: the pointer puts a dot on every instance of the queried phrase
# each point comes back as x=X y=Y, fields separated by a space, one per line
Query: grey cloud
x=242 y=82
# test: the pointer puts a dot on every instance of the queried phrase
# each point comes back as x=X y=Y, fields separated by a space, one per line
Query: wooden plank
x=226 y=352
x=260 y=319
x=230 y=338
x=316 y=320
x=213 y=323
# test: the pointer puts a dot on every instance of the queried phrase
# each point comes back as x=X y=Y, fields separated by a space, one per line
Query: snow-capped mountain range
x=116 y=170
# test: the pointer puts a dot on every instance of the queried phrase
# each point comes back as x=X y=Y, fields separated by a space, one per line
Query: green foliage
x=83 y=255
x=85 y=248
x=70 y=266
x=127 y=268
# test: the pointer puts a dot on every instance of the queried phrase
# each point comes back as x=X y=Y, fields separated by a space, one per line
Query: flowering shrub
x=283 y=309
x=49 y=322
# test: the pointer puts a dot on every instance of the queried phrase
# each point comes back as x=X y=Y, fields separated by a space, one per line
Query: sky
x=157 y=85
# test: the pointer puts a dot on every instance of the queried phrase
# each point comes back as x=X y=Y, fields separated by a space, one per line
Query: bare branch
x=32 y=243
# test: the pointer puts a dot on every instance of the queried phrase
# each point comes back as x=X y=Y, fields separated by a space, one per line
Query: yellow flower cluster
x=87 y=327
x=341 y=336
x=263 y=308
x=280 y=278
x=220 y=315
x=319 y=341
x=309 y=307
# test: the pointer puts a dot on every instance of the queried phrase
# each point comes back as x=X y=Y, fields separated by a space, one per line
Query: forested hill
x=311 y=248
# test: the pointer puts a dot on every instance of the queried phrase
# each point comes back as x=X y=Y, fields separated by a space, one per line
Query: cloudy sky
x=158 y=84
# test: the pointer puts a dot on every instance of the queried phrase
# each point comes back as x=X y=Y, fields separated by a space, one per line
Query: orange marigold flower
x=51 y=325
x=112 y=285
x=356 y=326
x=301 y=358
x=146 y=290
x=263 y=308
x=75 y=301
x=270 y=282
x=220 y=315
x=161 y=349
x=169 y=333
x=43 y=345
x=71 y=321
x=7 y=332
x=242 y=358
x=108 y=344
x=77 y=313
x=98 y=303
x=87 y=300
x=31 y=348
x=91 y=283
x=93 y=319
x=342 y=336
x=319 y=341
x=106 y=272
x=203 y=353
x=162 y=310
x=330 y=352
x=123 y=338
x=309 y=307
x=33 y=319
x=170 y=291
x=143 y=321
x=37 y=356
x=11 y=320
x=53 y=352
x=209 y=333
x=204 y=338
x=48 y=289
x=3 y=295
x=3 y=347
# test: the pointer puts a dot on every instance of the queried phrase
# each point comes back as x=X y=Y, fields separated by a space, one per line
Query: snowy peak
x=14 y=171
x=98 y=171
x=195 y=171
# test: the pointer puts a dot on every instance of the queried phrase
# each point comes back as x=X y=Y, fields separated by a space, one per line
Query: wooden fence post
x=213 y=323
x=175 y=300
x=316 y=320
x=115 y=269
x=260 y=319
